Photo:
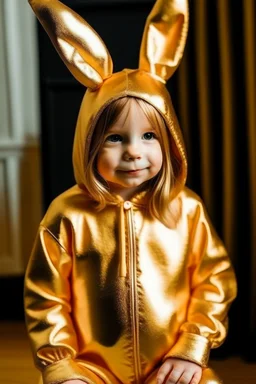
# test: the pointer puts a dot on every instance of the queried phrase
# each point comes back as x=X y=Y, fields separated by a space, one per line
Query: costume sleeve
x=213 y=288
x=48 y=311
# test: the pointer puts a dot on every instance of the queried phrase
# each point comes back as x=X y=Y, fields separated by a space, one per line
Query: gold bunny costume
x=109 y=295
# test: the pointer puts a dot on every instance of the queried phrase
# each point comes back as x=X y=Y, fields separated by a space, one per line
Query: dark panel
x=12 y=298
x=62 y=103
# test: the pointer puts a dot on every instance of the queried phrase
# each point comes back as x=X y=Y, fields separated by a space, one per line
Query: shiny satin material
x=164 y=38
x=135 y=83
x=82 y=312
x=79 y=46
x=109 y=295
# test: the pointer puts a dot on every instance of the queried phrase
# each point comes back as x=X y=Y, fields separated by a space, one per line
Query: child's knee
x=210 y=377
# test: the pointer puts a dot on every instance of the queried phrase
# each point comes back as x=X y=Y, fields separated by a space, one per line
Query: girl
x=128 y=281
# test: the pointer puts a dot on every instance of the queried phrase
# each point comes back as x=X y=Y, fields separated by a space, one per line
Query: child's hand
x=178 y=371
x=75 y=381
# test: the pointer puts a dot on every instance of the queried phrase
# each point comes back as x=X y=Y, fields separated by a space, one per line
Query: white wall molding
x=22 y=68
x=11 y=260
x=20 y=186
x=6 y=145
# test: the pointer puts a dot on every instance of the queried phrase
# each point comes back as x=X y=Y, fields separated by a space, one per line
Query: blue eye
x=114 y=138
x=149 y=136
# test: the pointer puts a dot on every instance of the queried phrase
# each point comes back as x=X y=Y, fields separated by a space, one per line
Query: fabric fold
x=191 y=347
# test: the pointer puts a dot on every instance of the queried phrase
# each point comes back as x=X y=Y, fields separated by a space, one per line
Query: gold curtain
x=216 y=97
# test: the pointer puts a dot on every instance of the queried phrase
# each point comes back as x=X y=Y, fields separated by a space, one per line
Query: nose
x=132 y=152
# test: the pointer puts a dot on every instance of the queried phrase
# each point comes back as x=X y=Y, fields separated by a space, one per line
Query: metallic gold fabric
x=134 y=83
x=109 y=295
x=79 y=46
x=81 y=312
x=164 y=38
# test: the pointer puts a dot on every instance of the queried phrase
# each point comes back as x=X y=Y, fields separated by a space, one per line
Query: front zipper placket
x=128 y=209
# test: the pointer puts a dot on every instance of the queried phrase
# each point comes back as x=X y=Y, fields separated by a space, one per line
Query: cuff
x=68 y=369
x=191 y=347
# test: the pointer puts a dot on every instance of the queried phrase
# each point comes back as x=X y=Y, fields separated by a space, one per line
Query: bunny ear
x=79 y=46
x=164 y=38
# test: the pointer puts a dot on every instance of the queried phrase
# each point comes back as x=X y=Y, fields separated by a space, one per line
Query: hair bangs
x=158 y=189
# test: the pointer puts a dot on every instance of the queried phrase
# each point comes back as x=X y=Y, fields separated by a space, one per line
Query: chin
x=133 y=185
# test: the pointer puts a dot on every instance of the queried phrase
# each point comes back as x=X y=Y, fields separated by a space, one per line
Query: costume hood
x=88 y=59
x=111 y=294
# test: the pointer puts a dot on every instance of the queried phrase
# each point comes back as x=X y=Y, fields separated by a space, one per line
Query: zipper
x=133 y=274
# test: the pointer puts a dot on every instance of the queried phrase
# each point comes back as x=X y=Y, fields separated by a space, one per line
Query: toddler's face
x=131 y=153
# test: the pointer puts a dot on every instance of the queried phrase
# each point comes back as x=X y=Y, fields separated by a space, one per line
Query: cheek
x=157 y=156
x=105 y=162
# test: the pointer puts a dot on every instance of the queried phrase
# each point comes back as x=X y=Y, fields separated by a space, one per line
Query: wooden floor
x=16 y=365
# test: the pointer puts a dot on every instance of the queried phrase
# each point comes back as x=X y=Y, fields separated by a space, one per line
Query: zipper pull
x=125 y=206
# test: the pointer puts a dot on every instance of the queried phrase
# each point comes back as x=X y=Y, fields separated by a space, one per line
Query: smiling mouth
x=134 y=171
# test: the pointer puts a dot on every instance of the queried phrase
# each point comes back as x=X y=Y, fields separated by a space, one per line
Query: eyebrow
x=118 y=129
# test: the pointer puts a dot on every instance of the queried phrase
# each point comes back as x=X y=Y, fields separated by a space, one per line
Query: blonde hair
x=159 y=188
